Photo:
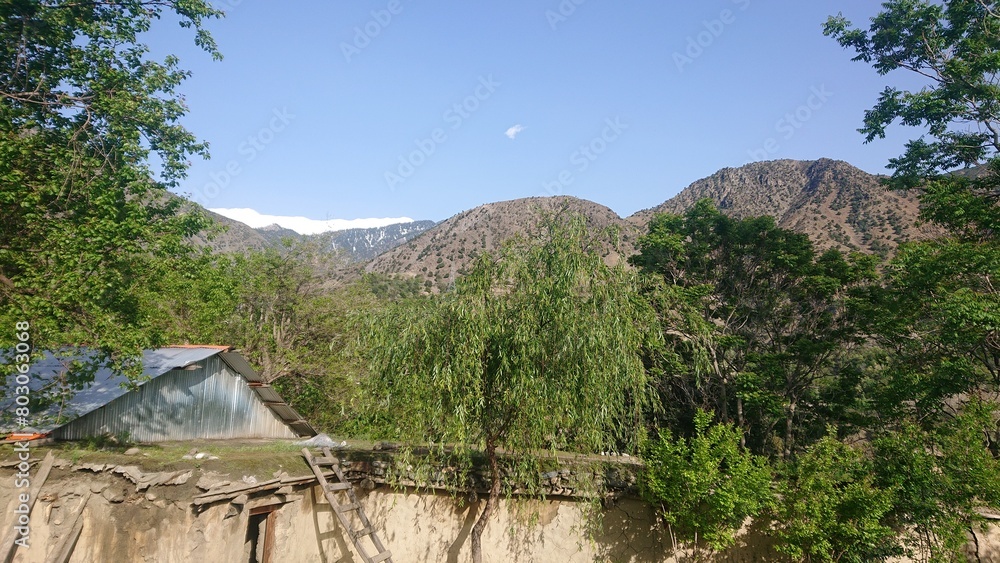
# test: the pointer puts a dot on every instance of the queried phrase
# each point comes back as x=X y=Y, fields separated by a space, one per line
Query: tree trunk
x=491 y=502
x=740 y=421
x=789 y=428
x=723 y=386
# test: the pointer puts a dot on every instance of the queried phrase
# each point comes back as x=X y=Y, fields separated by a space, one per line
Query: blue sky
x=344 y=110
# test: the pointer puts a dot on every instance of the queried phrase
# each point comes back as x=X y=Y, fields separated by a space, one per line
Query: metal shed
x=193 y=392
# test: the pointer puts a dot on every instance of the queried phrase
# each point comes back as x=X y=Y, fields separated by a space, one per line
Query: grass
x=236 y=458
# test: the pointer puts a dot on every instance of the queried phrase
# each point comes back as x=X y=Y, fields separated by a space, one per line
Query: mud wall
x=123 y=521
x=125 y=518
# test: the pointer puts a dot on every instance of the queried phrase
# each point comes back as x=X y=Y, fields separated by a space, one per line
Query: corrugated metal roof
x=210 y=402
x=240 y=364
x=267 y=394
x=48 y=378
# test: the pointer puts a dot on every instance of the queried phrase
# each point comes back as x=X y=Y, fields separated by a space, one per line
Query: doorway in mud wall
x=258 y=547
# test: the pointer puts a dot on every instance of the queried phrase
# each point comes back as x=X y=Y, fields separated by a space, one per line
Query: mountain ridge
x=835 y=203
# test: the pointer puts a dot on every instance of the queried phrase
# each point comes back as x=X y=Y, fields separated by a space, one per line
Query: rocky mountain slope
x=834 y=203
x=444 y=252
x=234 y=235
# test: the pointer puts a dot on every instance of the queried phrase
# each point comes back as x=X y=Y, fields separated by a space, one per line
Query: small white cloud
x=513 y=131
x=304 y=225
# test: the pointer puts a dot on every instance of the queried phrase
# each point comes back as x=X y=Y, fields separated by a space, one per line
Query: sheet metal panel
x=303 y=428
x=47 y=376
x=268 y=394
x=241 y=366
x=284 y=411
x=211 y=402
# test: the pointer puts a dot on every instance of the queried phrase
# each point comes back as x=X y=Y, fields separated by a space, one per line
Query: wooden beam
x=65 y=550
x=8 y=547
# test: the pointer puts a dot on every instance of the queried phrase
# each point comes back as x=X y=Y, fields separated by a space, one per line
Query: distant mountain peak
x=835 y=203
x=446 y=250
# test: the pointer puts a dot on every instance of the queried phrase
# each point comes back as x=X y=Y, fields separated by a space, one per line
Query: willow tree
x=539 y=347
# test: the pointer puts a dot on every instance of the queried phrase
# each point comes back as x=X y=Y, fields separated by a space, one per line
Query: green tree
x=935 y=320
x=830 y=508
x=84 y=220
x=953 y=45
x=937 y=316
x=773 y=322
x=538 y=347
x=280 y=308
x=707 y=486
x=941 y=479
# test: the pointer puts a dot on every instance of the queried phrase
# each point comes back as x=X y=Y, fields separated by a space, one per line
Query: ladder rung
x=347 y=507
x=363 y=532
x=325 y=461
x=338 y=486
x=382 y=556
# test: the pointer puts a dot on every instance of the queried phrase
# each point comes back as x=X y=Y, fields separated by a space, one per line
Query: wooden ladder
x=330 y=490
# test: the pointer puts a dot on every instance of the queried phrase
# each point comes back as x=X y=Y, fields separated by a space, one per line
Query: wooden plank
x=269 y=533
x=362 y=532
x=265 y=509
x=8 y=547
x=238 y=490
x=228 y=494
x=65 y=549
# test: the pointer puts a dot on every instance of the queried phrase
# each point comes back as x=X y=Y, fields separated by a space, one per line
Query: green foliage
x=84 y=224
x=539 y=347
x=941 y=478
x=935 y=320
x=763 y=298
x=831 y=510
x=941 y=291
x=278 y=307
x=954 y=46
x=706 y=486
x=506 y=357
x=388 y=287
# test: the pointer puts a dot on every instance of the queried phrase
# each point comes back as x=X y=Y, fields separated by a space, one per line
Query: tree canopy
x=539 y=347
x=89 y=140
